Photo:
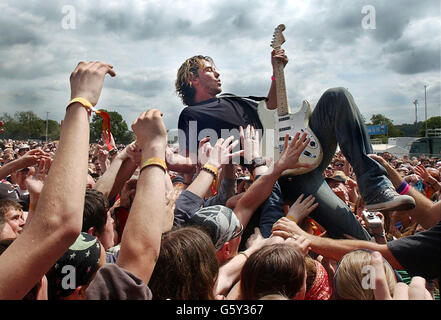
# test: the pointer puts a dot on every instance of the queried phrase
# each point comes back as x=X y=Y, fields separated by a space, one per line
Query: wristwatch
x=256 y=162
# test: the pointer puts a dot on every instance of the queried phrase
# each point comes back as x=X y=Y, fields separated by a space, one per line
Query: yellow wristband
x=155 y=162
x=212 y=169
x=86 y=104
x=291 y=218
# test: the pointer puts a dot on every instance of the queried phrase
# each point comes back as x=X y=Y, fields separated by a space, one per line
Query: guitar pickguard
x=276 y=127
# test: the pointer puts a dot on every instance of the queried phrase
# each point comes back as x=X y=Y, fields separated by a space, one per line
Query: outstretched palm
x=289 y=158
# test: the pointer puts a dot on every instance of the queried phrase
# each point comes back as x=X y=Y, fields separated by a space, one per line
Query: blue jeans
x=336 y=119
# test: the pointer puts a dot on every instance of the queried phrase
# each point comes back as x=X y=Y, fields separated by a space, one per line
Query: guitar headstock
x=278 y=38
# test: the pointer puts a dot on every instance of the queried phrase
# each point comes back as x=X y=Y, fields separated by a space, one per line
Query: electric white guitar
x=282 y=121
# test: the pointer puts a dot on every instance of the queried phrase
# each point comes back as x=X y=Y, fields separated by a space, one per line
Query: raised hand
x=127 y=193
x=32 y=157
x=221 y=154
x=289 y=158
x=301 y=209
x=204 y=150
x=416 y=290
x=150 y=132
x=278 y=56
x=35 y=180
x=86 y=81
x=250 y=141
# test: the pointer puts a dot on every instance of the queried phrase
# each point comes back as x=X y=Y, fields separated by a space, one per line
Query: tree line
x=26 y=125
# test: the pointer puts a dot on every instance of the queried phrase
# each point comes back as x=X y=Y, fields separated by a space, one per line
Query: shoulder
x=113 y=282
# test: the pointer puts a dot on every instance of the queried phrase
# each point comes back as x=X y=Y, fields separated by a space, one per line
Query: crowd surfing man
x=198 y=84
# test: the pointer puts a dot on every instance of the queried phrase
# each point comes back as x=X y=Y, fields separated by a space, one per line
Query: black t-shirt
x=217 y=118
x=420 y=254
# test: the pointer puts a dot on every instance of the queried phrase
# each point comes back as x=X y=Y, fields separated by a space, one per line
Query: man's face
x=15 y=222
x=208 y=80
x=338 y=165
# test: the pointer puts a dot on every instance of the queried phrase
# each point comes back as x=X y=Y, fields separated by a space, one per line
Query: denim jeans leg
x=332 y=213
x=336 y=119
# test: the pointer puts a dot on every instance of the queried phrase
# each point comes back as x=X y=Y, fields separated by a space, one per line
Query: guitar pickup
x=283 y=138
x=308 y=154
x=284 y=129
x=284 y=119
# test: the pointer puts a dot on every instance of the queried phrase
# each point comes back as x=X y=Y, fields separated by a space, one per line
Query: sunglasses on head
x=237 y=233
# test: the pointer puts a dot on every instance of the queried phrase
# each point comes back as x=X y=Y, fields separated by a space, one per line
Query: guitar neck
x=282 y=100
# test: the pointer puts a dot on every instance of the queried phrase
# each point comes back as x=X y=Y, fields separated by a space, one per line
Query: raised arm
x=30 y=158
x=58 y=216
x=260 y=189
x=217 y=157
x=112 y=178
x=277 y=56
x=141 y=239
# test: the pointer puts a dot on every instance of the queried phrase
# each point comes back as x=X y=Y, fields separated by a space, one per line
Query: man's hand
x=300 y=243
x=301 y=209
x=286 y=228
x=221 y=154
x=278 y=56
x=32 y=157
x=427 y=178
x=87 y=79
x=289 y=158
x=150 y=132
x=127 y=193
x=204 y=150
x=416 y=291
x=250 y=141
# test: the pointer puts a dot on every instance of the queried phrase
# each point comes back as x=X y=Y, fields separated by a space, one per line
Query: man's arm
x=426 y=213
x=30 y=158
x=58 y=216
x=331 y=248
x=141 y=240
x=120 y=170
x=277 y=57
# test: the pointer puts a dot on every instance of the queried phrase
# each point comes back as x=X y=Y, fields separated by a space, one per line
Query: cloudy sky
x=384 y=52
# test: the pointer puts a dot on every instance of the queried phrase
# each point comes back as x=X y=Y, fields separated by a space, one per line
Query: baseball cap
x=219 y=222
x=84 y=256
x=23 y=146
x=8 y=192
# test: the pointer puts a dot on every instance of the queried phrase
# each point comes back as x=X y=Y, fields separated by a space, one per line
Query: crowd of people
x=81 y=220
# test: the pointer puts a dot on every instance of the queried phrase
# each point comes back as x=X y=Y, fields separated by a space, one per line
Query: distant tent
x=395 y=150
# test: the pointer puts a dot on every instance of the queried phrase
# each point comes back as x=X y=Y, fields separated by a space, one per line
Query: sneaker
x=389 y=199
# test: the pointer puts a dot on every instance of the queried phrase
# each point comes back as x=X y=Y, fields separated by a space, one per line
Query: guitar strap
x=230 y=95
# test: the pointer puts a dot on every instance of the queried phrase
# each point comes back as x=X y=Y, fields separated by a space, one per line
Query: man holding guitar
x=335 y=119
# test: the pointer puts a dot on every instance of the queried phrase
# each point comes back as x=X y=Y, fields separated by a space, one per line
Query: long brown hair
x=187 y=267
x=275 y=269
x=186 y=72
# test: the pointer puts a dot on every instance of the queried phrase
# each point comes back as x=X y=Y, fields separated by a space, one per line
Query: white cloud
x=385 y=69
